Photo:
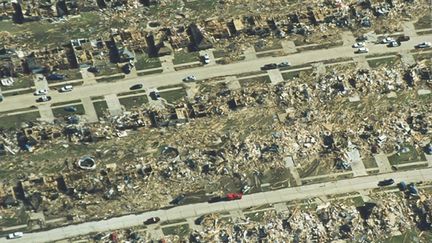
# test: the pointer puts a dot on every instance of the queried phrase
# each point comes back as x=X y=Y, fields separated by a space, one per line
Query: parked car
x=358 y=45
x=269 y=66
x=206 y=59
x=15 y=235
x=66 y=88
x=136 y=86
x=190 y=78
x=70 y=109
x=402 y=186
x=55 y=76
x=424 y=45
x=43 y=98
x=387 y=40
x=386 y=182
x=403 y=38
x=362 y=50
x=393 y=44
x=127 y=68
x=284 y=64
x=178 y=200
x=234 y=196
x=40 y=92
x=215 y=199
x=93 y=70
x=154 y=95
x=362 y=38
x=1 y=98
x=152 y=220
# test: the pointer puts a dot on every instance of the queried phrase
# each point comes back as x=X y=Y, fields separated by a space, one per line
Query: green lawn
x=424 y=22
x=60 y=111
x=181 y=57
x=264 y=46
x=388 y=61
x=101 y=108
x=133 y=101
x=145 y=62
x=111 y=79
x=150 y=72
x=42 y=33
x=20 y=82
x=179 y=230
x=412 y=156
x=173 y=96
x=260 y=79
x=291 y=75
x=15 y=121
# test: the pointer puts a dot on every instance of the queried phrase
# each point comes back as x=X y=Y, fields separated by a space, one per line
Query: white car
x=362 y=50
x=15 y=235
x=424 y=45
x=387 y=40
x=66 y=88
x=206 y=58
x=190 y=78
x=41 y=92
x=358 y=45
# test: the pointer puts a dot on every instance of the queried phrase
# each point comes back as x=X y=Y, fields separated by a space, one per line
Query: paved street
x=171 y=78
x=194 y=210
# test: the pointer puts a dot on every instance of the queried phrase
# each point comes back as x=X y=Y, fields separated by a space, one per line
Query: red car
x=234 y=196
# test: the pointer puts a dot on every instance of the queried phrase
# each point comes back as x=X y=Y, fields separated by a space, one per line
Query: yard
x=101 y=108
x=133 y=101
x=259 y=79
x=180 y=230
x=20 y=83
x=412 y=155
x=143 y=61
x=111 y=79
x=387 y=61
x=173 y=96
x=181 y=57
x=15 y=121
x=61 y=112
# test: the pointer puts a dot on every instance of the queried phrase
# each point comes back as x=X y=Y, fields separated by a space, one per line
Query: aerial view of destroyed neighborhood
x=216 y=121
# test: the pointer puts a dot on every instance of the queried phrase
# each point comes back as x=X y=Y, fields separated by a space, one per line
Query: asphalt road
x=170 y=78
x=195 y=210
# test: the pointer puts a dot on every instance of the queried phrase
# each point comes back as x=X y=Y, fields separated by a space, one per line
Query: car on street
x=178 y=200
x=136 y=86
x=361 y=50
x=152 y=220
x=190 y=78
x=386 y=182
x=403 y=38
x=93 y=69
x=284 y=64
x=66 y=88
x=206 y=58
x=393 y=44
x=387 y=40
x=269 y=66
x=15 y=235
x=43 y=98
x=154 y=95
x=358 y=45
x=424 y=45
x=234 y=196
x=1 y=98
x=40 y=92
